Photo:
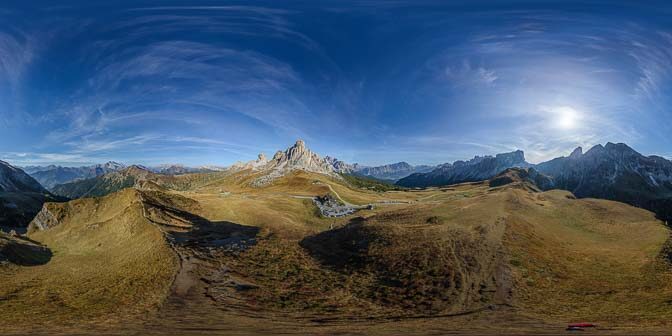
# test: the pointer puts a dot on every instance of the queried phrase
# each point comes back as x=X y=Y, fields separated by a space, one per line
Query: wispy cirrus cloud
x=468 y=75
x=17 y=51
x=154 y=70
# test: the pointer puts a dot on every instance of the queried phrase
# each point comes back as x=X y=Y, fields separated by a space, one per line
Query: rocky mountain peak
x=296 y=157
x=112 y=165
x=262 y=157
x=514 y=157
x=620 y=148
x=597 y=149
x=576 y=153
x=299 y=153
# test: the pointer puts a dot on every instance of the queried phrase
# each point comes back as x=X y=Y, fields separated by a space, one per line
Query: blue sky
x=214 y=82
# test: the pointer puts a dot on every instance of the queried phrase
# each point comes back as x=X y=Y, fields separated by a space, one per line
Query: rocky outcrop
x=47 y=218
x=257 y=164
x=296 y=157
x=299 y=157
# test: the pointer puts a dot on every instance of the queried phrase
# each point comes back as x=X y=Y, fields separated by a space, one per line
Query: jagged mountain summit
x=296 y=157
x=477 y=169
x=299 y=157
x=608 y=165
x=50 y=176
x=616 y=172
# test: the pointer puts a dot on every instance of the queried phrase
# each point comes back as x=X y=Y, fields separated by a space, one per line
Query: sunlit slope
x=108 y=262
x=445 y=251
x=588 y=259
x=285 y=204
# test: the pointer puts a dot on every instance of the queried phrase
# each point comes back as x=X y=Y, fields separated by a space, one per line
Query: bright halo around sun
x=567 y=117
x=563 y=117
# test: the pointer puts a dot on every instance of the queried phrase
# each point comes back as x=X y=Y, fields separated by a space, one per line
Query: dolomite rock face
x=257 y=164
x=296 y=157
x=300 y=157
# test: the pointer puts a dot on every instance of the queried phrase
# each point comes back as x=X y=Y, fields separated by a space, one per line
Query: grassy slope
x=108 y=262
x=447 y=250
x=589 y=259
x=569 y=259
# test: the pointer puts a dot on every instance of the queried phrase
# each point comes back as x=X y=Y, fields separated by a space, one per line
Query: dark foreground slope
x=21 y=197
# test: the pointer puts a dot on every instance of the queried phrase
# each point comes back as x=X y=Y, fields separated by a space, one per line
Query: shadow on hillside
x=190 y=230
x=23 y=252
x=221 y=234
x=662 y=208
x=344 y=247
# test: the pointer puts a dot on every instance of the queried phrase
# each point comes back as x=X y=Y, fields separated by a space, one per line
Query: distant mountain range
x=612 y=171
x=393 y=171
x=178 y=169
x=265 y=171
x=477 y=169
x=50 y=176
x=132 y=176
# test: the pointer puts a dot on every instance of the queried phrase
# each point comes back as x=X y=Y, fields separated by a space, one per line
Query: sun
x=565 y=117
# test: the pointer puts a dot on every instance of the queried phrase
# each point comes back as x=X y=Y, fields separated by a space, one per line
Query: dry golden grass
x=588 y=259
x=108 y=263
x=538 y=256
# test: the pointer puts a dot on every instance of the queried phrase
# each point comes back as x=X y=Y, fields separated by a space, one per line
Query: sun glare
x=565 y=117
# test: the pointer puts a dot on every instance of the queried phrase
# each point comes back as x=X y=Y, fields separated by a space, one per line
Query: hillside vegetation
x=237 y=253
x=108 y=261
